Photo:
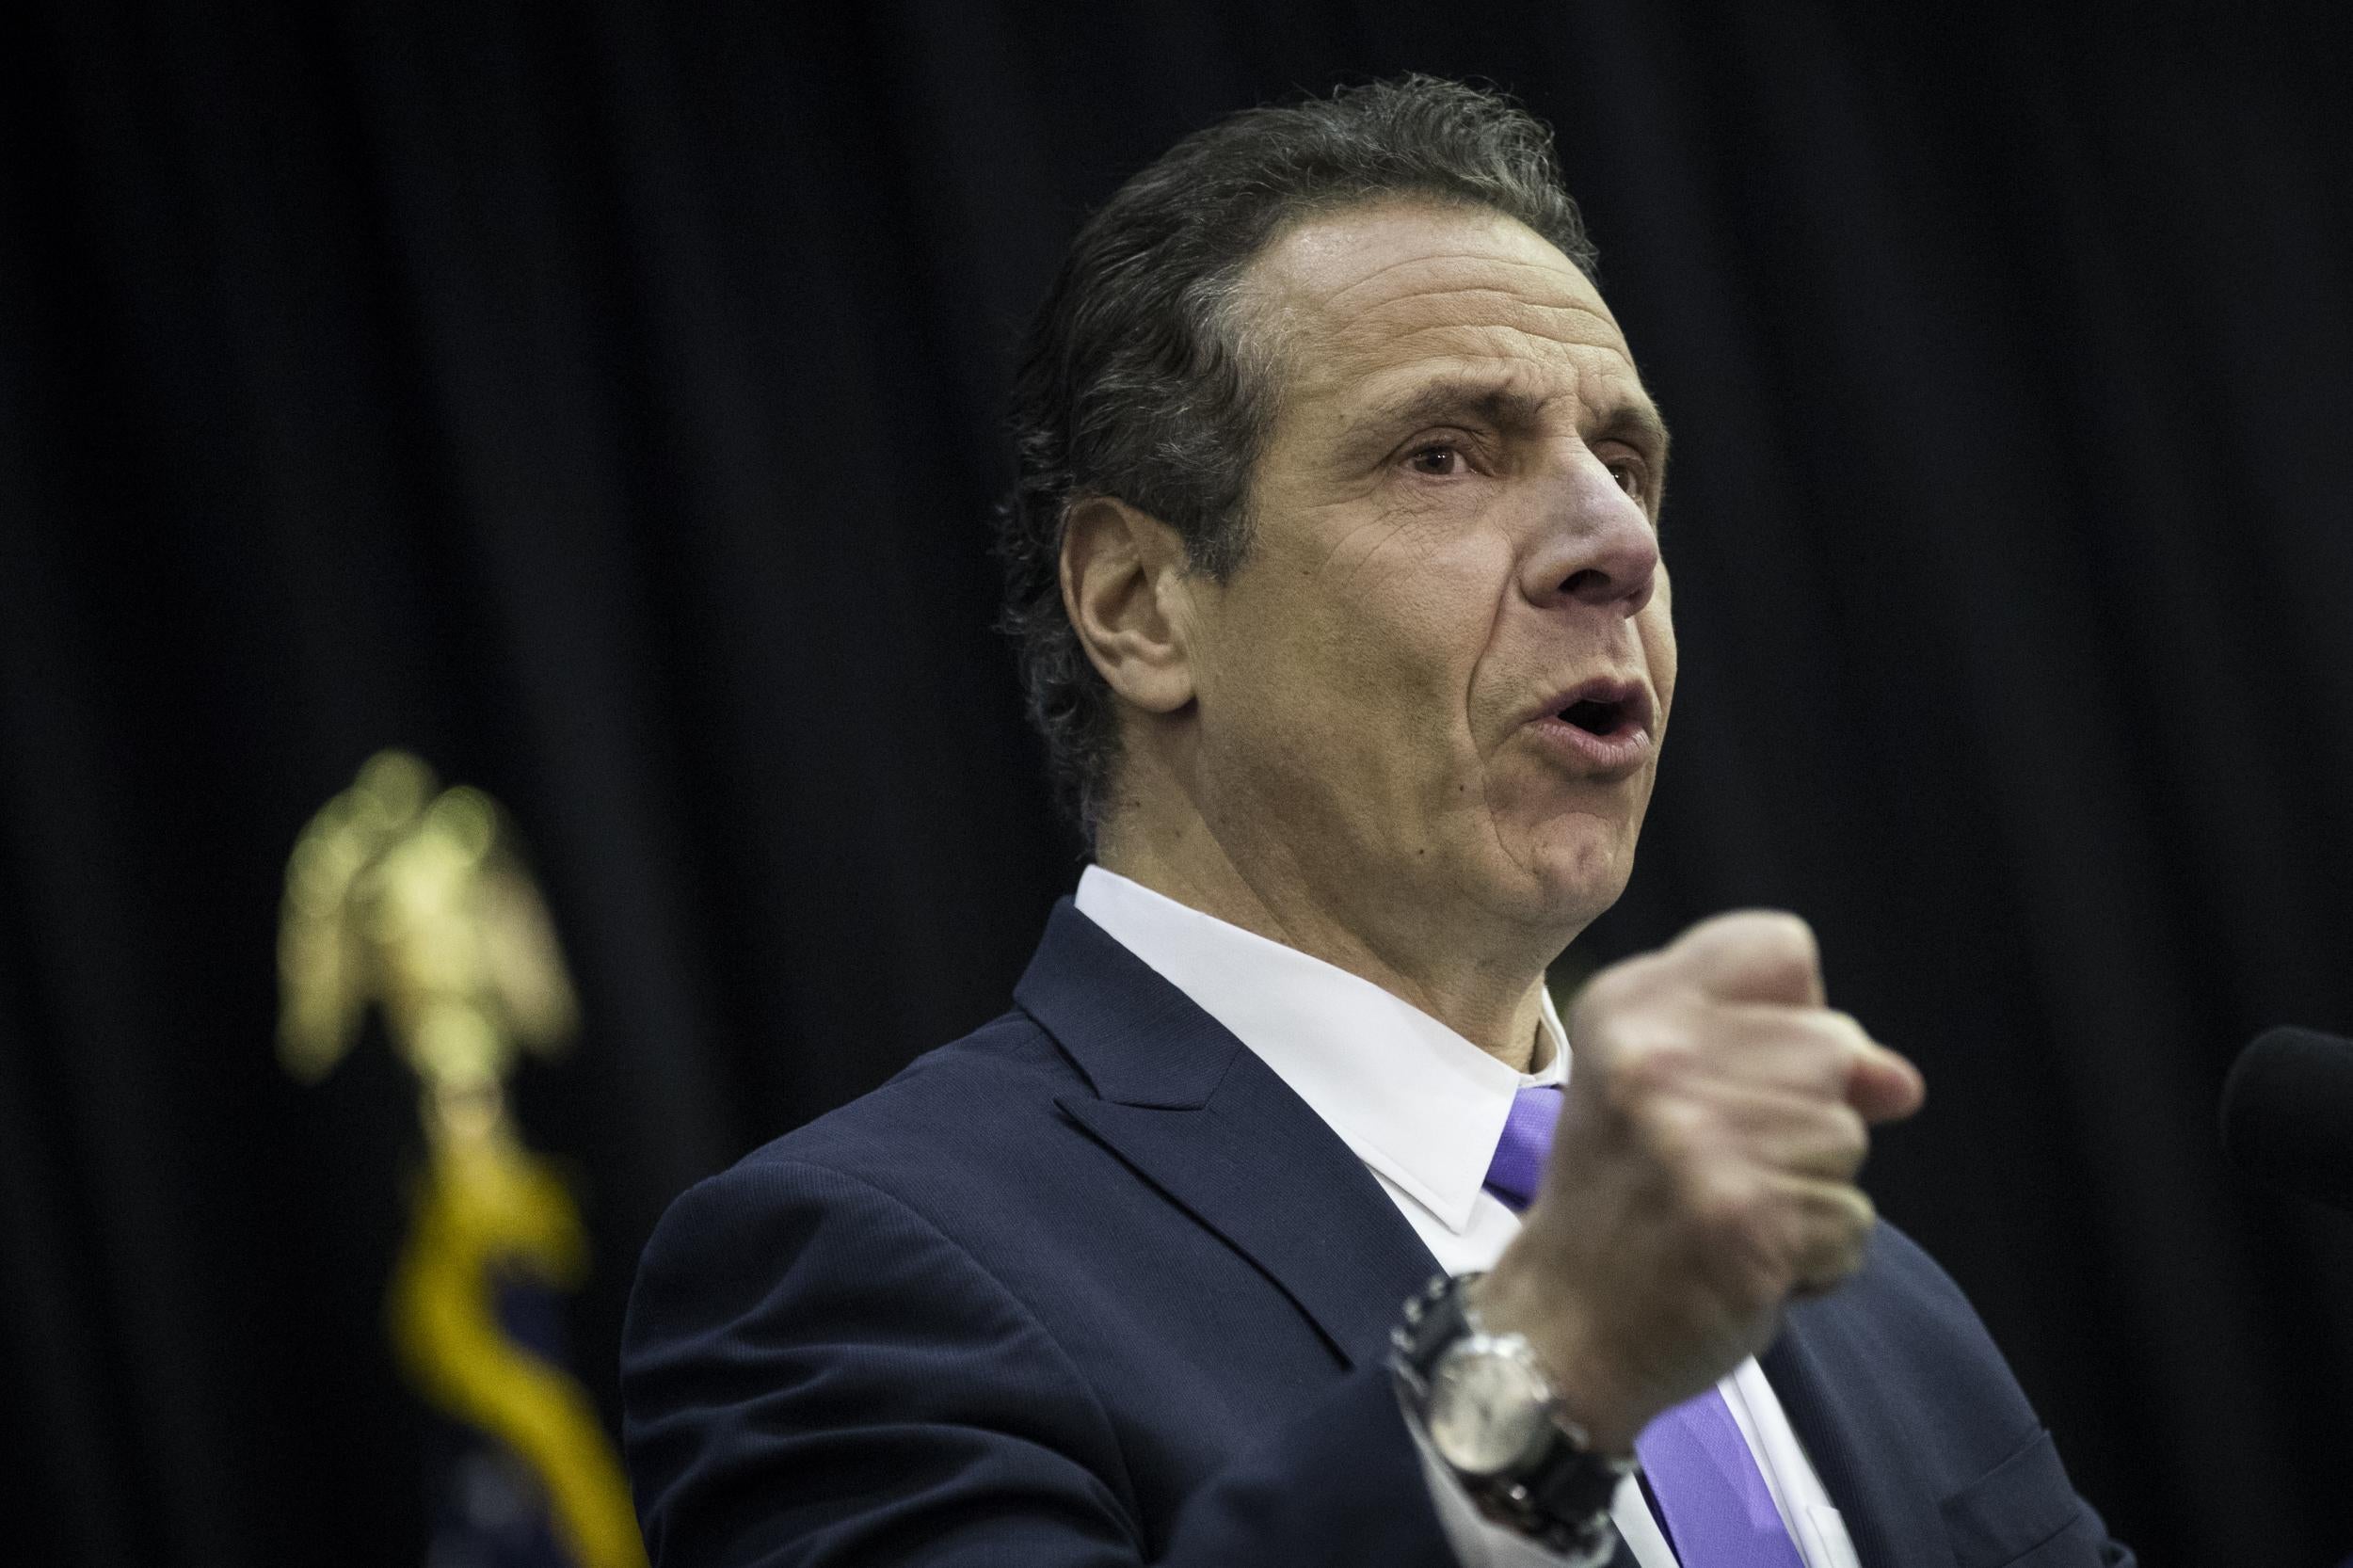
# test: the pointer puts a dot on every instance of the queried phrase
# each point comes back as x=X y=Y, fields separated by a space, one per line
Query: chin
x=1575 y=870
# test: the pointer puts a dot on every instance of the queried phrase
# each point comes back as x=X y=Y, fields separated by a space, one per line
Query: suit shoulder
x=1903 y=1327
x=1901 y=1304
x=968 y=1111
x=1912 y=1284
x=1005 y=1072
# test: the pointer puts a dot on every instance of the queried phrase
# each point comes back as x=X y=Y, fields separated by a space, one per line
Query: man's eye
x=1439 y=459
x=1630 y=477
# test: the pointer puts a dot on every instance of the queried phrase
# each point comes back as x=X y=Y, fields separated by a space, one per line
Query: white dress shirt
x=1424 y=1109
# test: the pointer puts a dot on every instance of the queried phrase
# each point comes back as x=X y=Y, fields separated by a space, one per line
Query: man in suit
x=1277 y=1223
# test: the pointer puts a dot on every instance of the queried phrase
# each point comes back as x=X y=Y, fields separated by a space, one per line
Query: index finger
x=1753 y=956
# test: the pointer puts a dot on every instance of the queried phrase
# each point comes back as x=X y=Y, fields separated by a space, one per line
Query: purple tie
x=1718 y=1507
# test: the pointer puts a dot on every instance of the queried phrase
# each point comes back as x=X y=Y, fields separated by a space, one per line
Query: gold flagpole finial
x=410 y=898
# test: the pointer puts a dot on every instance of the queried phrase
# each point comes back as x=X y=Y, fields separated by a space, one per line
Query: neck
x=1488 y=993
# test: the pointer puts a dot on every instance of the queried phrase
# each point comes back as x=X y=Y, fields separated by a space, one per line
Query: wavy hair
x=1137 y=380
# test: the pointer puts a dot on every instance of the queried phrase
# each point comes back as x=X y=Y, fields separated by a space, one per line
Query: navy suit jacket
x=1091 y=1286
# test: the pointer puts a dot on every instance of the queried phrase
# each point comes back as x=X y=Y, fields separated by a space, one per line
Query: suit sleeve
x=813 y=1374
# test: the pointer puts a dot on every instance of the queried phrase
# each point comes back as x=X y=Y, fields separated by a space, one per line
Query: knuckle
x=1847 y=1135
x=1842 y=1027
x=1656 y=1068
x=1841 y=1264
x=1786 y=938
x=1789 y=975
x=1761 y=1245
x=1846 y=1218
x=1859 y=1042
x=1596 y=1019
x=1838 y=1240
x=1676 y=1133
x=1835 y=1043
x=1613 y=989
x=1758 y=947
x=1727 y=1209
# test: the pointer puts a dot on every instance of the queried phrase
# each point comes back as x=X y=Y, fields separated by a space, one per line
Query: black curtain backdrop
x=603 y=401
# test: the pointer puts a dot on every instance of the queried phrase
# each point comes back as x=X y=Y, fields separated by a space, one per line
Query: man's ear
x=1125 y=586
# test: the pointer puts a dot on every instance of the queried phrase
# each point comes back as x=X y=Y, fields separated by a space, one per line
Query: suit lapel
x=1194 y=1112
x=1862 y=1448
x=1195 y=1115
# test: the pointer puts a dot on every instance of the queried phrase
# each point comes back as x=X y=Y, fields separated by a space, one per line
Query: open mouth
x=1598 y=715
x=1608 y=708
x=1601 y=728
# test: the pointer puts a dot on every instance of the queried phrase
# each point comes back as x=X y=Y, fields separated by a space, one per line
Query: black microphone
x=2287 y=1114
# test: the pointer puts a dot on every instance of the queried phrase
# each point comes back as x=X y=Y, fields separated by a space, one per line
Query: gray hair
x=1135 y=378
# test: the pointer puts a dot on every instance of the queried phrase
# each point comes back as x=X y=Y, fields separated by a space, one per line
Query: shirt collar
x=1414 y=1100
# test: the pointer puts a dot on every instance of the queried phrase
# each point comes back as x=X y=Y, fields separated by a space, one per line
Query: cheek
x=1659 y=651
x=1420 y=641
x=1393 y=620
x=1357 y=683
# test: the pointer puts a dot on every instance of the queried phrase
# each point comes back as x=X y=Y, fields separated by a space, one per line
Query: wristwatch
x=1491 y=1414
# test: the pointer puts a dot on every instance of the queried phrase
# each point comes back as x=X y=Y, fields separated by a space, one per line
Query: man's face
x=1455 y=544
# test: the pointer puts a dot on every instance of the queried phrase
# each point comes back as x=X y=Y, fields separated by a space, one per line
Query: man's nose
x=1598 y=546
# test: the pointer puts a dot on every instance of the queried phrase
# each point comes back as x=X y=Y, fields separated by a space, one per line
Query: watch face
x=1487 y=1407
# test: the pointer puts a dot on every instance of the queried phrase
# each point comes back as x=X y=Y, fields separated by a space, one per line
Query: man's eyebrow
x=1637 y=425
x=1508 y=406
x=1498 y=401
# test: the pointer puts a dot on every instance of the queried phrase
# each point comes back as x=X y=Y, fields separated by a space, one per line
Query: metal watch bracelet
x=1560 y=1496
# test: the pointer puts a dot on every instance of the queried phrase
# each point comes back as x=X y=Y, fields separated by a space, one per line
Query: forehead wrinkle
x=1530 y=312
x=1461 y=277
x=1511 y=344
x=1558 y=275
x=1480 y=310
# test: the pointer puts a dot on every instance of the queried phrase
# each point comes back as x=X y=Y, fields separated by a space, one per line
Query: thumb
x=1885 y=1087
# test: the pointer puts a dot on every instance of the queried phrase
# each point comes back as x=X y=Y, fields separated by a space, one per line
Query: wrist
x=1588 y=1384
x=1486 y=1409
